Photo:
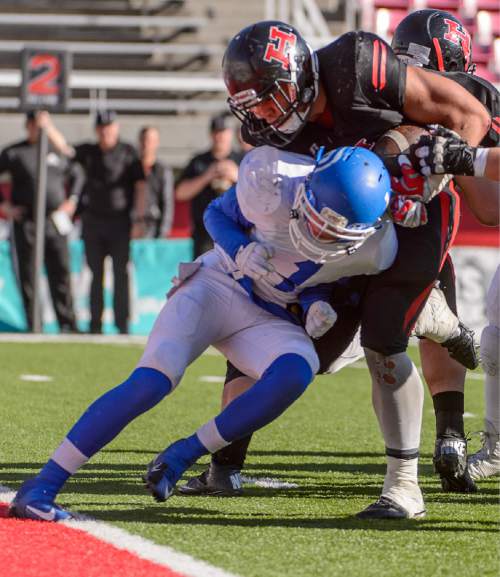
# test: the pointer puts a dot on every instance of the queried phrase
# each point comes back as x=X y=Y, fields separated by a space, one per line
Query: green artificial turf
x=328 y=444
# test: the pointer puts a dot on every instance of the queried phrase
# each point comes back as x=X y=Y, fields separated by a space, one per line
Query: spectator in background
x=208 y=175
x=112 y=211
x=159 y=211
x=20 y=161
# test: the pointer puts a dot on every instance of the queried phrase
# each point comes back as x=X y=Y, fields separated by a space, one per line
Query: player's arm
x=385 y=83
x=491 y=159
x=492 y=169
x=482 y=195
x=434 y=99
x=227 y=226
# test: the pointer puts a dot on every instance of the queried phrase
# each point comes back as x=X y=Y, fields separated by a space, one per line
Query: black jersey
x=488 y=95
x=110 y=178
x=364 y=84
x=20 y=160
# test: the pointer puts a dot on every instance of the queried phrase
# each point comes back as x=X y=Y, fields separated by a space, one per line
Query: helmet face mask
x=434 y=39
x=323 y=236
x=269 y=67
x=289 y=113
x=340 y=205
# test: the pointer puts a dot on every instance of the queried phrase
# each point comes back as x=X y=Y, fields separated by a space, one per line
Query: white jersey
x=267 y=183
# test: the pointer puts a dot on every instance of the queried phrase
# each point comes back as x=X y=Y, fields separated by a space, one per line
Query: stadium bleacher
x=482 y=18
x=162 y=57
x=139 y=57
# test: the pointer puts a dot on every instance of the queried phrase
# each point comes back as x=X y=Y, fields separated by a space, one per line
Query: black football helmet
x=271 y=60
x=434 y=39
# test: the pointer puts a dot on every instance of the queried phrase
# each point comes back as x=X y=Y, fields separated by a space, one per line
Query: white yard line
x=36 y=378
x=268 y=482
x=139 y=546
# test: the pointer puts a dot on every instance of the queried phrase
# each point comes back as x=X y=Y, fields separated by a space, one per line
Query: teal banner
x=153 y=264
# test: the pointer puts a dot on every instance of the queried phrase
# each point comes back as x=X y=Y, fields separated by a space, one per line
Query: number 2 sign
x=45 y=80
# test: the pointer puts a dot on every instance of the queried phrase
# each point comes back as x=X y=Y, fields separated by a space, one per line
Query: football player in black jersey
x=356 y=88
x=436 y=40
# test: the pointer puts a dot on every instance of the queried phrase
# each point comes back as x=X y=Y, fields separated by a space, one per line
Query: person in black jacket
x=112 y=211
x=159 y=211
x=208 y=175
x=19 y=160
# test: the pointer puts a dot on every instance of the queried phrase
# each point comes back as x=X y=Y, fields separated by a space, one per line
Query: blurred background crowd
x=147 y=142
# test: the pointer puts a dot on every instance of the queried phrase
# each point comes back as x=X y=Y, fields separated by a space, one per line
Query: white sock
x=490 y=342
x=69 y=457
x=400 y=472
x=398 y=399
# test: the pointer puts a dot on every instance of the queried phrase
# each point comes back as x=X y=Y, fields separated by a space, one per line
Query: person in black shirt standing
x=112 y=210
x=159 y=212
x=20 y=161
x=208 y=175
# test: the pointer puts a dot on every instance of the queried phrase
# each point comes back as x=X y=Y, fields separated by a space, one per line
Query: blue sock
x=107 y=416
x=53 y=478
x=193 y=449
x=280 y=385
x=182 y=454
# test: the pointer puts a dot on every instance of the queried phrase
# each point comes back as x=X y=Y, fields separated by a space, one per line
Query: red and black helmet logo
x=279 y=45
x=458 y=35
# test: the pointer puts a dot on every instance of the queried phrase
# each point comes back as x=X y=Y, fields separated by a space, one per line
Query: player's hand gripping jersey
x=259 y=210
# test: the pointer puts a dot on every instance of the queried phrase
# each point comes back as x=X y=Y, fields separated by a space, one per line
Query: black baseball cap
x=104 y=117
x=220 y=122
x=31 y=115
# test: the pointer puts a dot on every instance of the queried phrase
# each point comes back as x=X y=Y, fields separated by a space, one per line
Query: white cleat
x=436 y=322
x=486 y=462
x=408 y=496
x=401 y=499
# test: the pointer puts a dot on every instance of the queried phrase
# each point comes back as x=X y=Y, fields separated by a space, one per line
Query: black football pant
x=107 y=236
x=57 y=266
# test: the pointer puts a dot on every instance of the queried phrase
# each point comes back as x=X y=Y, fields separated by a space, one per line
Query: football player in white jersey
x=240 y=299
x=398 y=406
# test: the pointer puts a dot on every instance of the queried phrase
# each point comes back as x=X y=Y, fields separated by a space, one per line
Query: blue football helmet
x=340 y=204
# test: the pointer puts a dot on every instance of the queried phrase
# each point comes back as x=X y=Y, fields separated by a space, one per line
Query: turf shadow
x=185 y=516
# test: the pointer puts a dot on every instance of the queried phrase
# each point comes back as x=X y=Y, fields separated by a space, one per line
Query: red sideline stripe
x=37 y=549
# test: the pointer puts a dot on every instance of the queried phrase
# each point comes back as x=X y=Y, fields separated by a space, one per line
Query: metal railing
x=305 y=15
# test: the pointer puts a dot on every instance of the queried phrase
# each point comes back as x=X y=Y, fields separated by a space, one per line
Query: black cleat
x=216 y=481
x=450 y=462
x=463 y=348
x=386 y=508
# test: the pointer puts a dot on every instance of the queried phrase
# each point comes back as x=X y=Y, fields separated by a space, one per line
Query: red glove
x=410 y=183
x=408 y=212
